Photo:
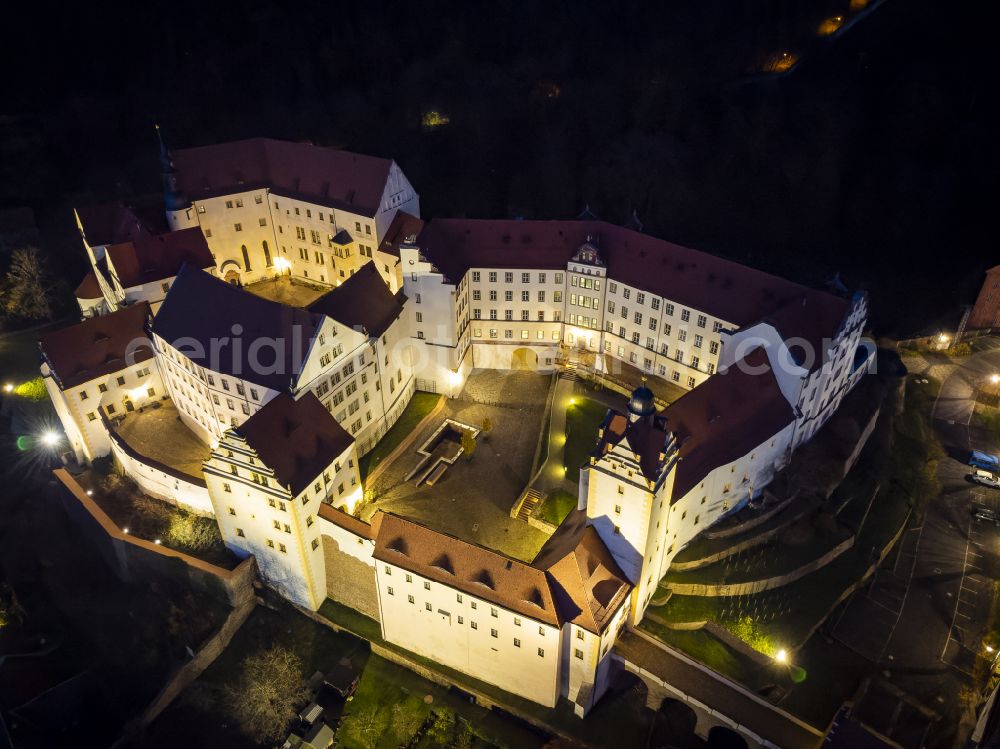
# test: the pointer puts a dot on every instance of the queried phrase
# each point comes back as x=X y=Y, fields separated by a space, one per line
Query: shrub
x=33 y=390
x=188 y=531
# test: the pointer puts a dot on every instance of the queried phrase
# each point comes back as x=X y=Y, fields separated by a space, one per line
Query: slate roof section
x=201 y=309
x=89 y=288
x=485 y=574
x=297 y=439
x=98 y=346
x=404 y=228
x=149 y=259
x=725 y=418
x=587 y=584
x=322 y=176
x=738 y=294
x=363 y=300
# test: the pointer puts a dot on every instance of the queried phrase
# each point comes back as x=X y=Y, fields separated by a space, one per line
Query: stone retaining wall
x=759 y=586
x=132 y=558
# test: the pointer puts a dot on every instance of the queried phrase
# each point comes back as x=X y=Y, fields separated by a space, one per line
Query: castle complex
x=285 y=398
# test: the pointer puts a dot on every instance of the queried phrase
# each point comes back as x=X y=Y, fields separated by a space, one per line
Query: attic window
x=535 y=598
x=398 y=545
x=444 y=564
x=483 y=577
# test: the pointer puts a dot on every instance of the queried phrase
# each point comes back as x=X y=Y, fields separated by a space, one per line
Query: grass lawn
x=419 y=406
x=392 y=703
x=582 y=420
x=557 y=506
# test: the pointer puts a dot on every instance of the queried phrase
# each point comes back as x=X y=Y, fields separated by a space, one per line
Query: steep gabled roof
x=725 y=418
x=98 y=346
x=587 y=583
x=735 y=293
x=205 y=315
x=323 y=176
x=362 y=301
x=297 y=439
x=148 y=259
x=404 y=228
x=89 y=288
x=475 y=570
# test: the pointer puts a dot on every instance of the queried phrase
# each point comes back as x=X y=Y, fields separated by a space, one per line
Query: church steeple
x=174 y=199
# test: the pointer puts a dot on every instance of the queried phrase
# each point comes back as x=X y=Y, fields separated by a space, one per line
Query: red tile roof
x=403 y=227
x=89 y=288
x=154 y=258
x=362 y=301
x=111 y=223
x=475 y=570
x=297 y=439
x=735 y=293
x=587 y=583
x=98 y=346
x=721 y=420
x=725 y=418
x=350 y=523
x=323 y=176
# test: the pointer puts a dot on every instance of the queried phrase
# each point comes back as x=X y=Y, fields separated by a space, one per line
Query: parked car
x=986 y=516
x=984 y=461
x=985 y=478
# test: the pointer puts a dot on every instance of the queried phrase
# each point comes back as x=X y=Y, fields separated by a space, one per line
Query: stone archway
x=524 y=359
x=720 y=737
x=230 y=272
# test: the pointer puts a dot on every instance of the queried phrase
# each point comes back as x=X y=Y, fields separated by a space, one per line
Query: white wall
x=437 y=633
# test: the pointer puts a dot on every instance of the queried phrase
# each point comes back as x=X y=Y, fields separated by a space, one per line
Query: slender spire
x=173 y=199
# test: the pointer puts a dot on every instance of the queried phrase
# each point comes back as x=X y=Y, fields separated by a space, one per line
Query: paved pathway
x=717 y=692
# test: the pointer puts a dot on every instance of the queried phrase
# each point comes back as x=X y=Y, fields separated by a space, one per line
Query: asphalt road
x=933 y=647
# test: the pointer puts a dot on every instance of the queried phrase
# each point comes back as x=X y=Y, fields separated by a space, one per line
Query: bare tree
x=27 y=288
x=270 y=689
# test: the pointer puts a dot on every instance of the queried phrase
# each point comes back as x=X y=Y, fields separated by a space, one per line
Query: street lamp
x=781 y=656
x=50 y=438
x=8 y=387
x=994 y=379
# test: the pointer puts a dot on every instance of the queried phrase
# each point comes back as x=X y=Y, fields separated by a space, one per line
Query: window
x=578 y=653
x=701 y=321
x=427 y=606
x=473 y=625
x=91 y=416
x=559 y=277
x=685 y=315
x=239 y=532
x=541 y=653
x=517 y=643
x=525 y=278
x=121 y=380
x=238 y=227
x=713 y=347
x=389 y=590
x=493 y=276
x=410 y=599
x=494 y=633
x=508 y=277
x=475 y=276
x=427 y=585
x=83 y=395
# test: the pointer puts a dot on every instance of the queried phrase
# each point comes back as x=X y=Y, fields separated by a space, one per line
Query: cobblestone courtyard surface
x=473 y=499
x=158 y=433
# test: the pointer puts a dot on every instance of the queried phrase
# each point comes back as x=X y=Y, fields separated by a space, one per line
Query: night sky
x=876 y=156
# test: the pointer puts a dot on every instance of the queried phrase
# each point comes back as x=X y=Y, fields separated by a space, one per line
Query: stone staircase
x=568 y=371
x=526 y=504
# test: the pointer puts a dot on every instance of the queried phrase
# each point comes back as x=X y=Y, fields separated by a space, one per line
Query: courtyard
x=289 y=291
x=157 y=432
x=473 y=498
